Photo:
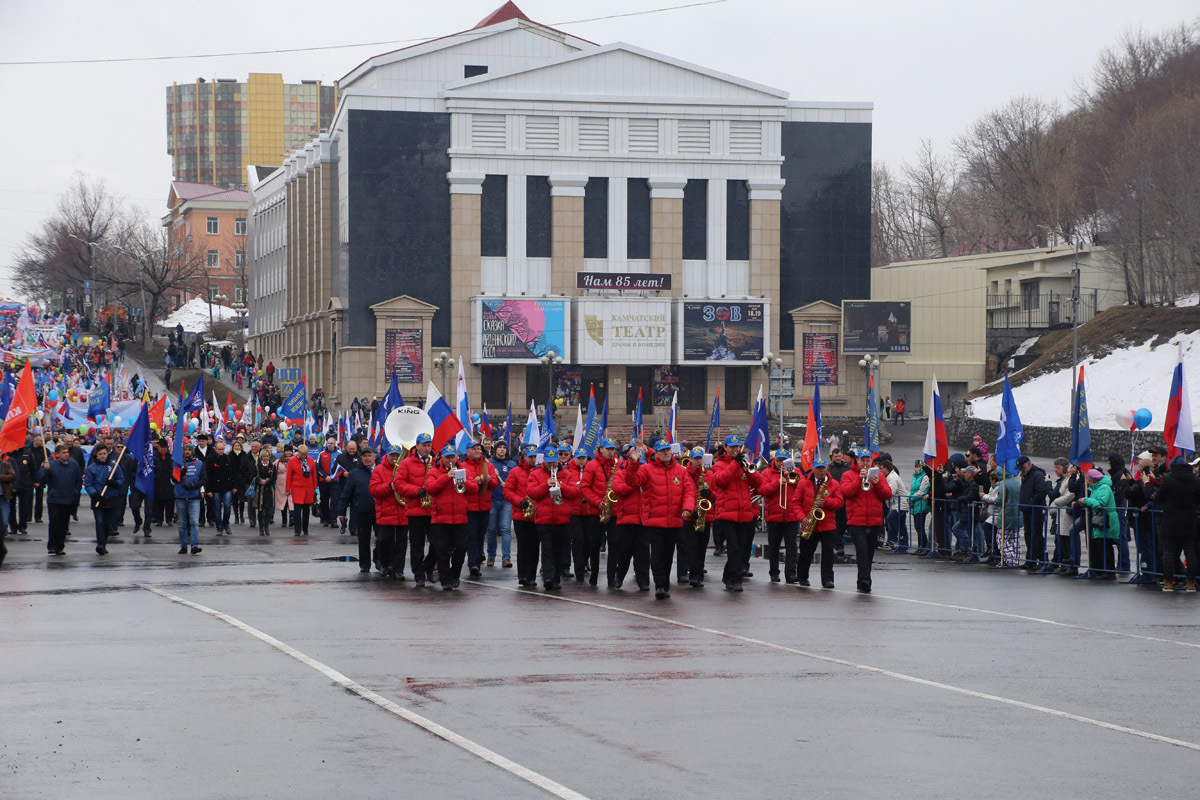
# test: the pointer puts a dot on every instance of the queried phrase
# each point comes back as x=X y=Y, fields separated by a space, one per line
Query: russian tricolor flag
x=937 y=445
x=445 y=424
x=1177 y=428
x=671 y=437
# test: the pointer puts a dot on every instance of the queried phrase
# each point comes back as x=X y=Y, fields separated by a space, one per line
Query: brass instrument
x=610 y=497
x=791 y=479
x=395 y=471
x=817 y=512
x=460 y=486
x=866 y=483
x=427 y=500
x=552 y=485
x=703 y=505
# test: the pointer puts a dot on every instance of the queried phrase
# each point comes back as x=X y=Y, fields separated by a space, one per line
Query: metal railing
x=1042 y=310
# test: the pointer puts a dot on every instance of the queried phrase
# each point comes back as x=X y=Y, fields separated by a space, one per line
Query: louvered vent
x=694 y=136
x=487 y=131
x=745 y=138
x=643 y=136
x=593 y=134
x=541 y=133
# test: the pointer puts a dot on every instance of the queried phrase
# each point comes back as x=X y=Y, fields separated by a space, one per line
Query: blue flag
x=547 y=437
x=1081 y=433
x=637 y=417
x=1008 y=443
x=7 y=388
x=759 y=436
x=99 y=401
x=194 y=402
x=294 y=408
x=715 y=421
x=871 y=434
x=604 y=417
x=141 y=447
x=391 y=401
x=591 y=426
x=508 y=426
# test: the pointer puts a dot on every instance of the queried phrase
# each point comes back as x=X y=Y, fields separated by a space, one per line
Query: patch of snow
x=195 y=315
x=1123 y=380
x=1188 y=301
x=1022 y=349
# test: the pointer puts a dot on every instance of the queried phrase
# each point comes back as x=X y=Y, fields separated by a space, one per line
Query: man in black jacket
x=220 y=485
x=355 y=499
x=1178 y=497
x=26 y=464
x=1033 y=511
x=163 y=513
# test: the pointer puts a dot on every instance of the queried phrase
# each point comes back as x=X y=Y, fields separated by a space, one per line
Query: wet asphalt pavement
x=114 y=691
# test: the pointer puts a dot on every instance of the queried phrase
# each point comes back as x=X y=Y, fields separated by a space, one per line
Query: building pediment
x=620 y=70
x=404 y=303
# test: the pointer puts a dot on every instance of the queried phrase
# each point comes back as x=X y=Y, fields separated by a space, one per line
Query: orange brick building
x=209 y=224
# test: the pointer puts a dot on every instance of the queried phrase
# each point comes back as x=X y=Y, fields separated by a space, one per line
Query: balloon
x=474 y=418
x=54 y=394
x=259 y=409
x=192 y=425
x=117 y=420
x=1125 y=420
x=83 y=429
x=154 y=426
x=283 y=426
x=1142 y=418
x=274 y=417
x=237 y=414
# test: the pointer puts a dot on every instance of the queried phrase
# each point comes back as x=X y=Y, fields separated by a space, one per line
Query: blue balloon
x=1142 y=418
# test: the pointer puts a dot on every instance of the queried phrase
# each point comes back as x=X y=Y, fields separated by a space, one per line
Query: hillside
x=1128 y=355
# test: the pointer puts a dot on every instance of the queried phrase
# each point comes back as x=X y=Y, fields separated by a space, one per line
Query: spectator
x=1007 y=519
x=900 y=406
x=1178 y=497
x=1105 y=527
x=1033 y=512
x=982 y=445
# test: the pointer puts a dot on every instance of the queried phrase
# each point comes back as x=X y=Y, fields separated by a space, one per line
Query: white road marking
x=524 y=773
x=1027 y=619
x=864 y=667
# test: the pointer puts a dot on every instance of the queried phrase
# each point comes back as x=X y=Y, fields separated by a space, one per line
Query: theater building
x=512 y=194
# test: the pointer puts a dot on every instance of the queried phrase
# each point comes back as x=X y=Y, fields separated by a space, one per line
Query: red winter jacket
x=516 y=489
x=549 y=513
x=481 y=500
x=832 y=504
x=864 y=509
x=667 y=492
x=387 y=510
x=449 y=507
x=595 y=483
x=733 y=486
x=798 y=499
x=410 y=480
x=302 y=489
x=325 y=461
x=573 y=474
x=628 y=510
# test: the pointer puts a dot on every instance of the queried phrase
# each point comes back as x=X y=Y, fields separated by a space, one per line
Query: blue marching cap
x=580 y=453
x=819 y=462
x=449 y=450
x=662 y=445
x=424 y=438
x=551 y=456
x=607 y=443
x=530 y=450
x=733 y=440
x=697 y=452
x=781 y=453
x=564 y=445
x=394 y=448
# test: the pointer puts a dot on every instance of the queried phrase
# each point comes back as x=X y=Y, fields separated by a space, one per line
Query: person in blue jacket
x=63 y=478
x=500 y=521
x=355 y=497
x=192 y=477
x=107 y=487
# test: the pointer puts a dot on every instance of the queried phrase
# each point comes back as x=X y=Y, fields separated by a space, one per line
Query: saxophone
x=610 y=497
x=816 y=513
x=427 y=500
x=529 y=512
x=703 y=505
x=400 y=501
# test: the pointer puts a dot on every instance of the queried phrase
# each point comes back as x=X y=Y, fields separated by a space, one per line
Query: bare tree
x=932 y=183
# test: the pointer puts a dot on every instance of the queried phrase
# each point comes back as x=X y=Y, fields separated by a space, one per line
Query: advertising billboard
x=870 y=326
x=623 y=331
x=520 y=330
x=402 y=354
x=820 y=359
x=723 y=331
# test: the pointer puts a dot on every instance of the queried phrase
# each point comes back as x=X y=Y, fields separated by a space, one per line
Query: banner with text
x=520 y=330
x=623 y=331
x=402 y=354
x=723 y=331
x=821 y=359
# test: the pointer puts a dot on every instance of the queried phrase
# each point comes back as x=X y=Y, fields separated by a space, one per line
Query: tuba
x=402 y=427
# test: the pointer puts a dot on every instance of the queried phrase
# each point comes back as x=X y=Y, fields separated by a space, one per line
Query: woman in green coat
x=1105 y=526
x=918 y=505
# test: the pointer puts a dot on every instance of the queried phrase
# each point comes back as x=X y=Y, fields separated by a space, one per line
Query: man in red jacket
x=516 y=492
x=410 y=482
x=391 y=518
x=630 y=542
x=864 y=513
x=734 y=480
x=551 y=488
x=595 y=487
x=786 y=503
x=479 y=506
x=447 y=484
x=668 y=497
x=826 y=530
x=697 y=540
x=565 y=463
x=577 y=527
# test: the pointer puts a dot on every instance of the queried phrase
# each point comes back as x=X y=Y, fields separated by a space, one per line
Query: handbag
x=250 y=491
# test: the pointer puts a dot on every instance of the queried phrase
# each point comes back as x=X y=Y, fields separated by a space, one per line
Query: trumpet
x=555 y=490
x=866 y=482
x=790 y=478
x=460 y=486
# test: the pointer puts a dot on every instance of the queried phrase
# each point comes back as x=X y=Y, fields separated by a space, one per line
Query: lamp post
x=550 y=360
x=771 y=364
x=869 y=364
x=443 y=364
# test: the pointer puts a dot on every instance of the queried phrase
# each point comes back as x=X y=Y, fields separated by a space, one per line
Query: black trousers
x=477 y=525
x=684 y=550
x=718 y=535
x=1102 y=555
x=828 y=541
x=300 y=514
x=37 y=503
x=785 y=533
x=116 y=516
x=527 y=547
x=390 y=545
x=739 y=538
x=1172 y=543
x=60 y=519
x=20 y=509
x=1035 y=533
x=574 y=551
x=367 y=524
x=136 y=499
x=629 y=543
x=587 y=551
x=450 y=542
x=662 y=551
x=326 y=491
x=696 y=544
x=418 y=533
x=553 y=543
x=864 y=538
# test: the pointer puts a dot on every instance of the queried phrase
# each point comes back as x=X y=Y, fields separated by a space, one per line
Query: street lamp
x=550 y=360
x=443 y=364
x=869 y=364
x=772 y=364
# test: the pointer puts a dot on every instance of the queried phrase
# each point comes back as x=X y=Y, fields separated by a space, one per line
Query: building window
x=640 y=379
x=538 y=213
x=212 y=259
x=238 y=295
x=637 y=228
x=695 y=220
x=471 y=70
x=693 y=388
x=210 y=225
x=493 y=217
x=212 y=294
x=595 y=218
x=737 y=388
x=737 y=221
x=494 y=384
x=239 y=259
x=239 y=226
x=1031 y=295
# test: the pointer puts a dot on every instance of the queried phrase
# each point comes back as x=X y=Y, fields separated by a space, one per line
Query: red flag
x=157 y=411
x=812 y=440
x=16 y=423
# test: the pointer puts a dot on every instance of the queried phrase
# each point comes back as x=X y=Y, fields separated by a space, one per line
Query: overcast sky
x=930 y=67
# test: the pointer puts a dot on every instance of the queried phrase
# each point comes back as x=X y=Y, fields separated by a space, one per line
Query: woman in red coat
x=301 y=487
x=452 y=493
x=516 y=492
